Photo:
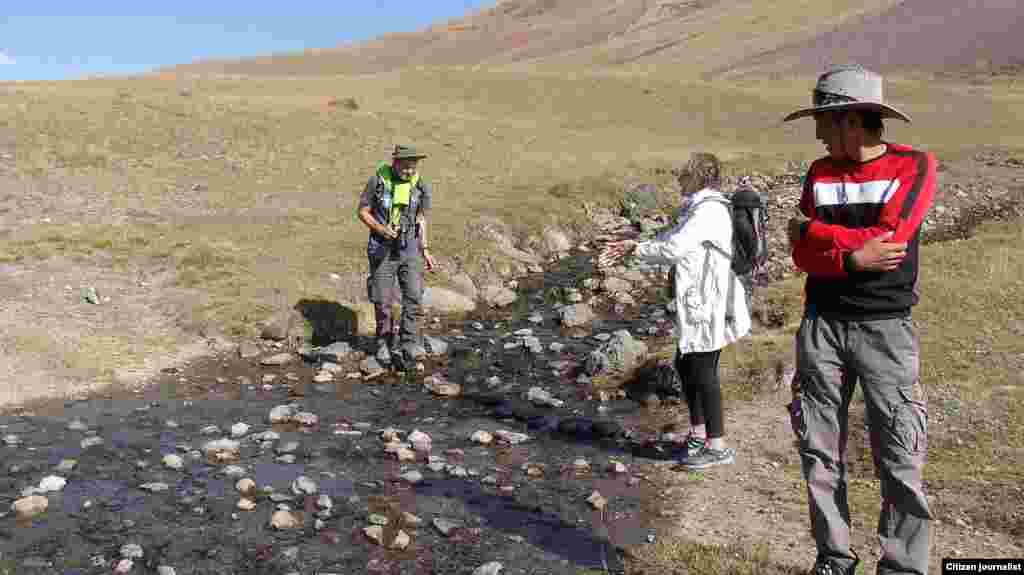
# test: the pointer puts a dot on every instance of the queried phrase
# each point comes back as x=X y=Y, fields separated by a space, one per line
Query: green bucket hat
x=406 y=153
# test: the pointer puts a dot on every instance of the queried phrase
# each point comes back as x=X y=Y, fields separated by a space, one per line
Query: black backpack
x=749 y=214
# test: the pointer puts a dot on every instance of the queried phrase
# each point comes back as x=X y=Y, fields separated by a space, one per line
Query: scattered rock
x=282 y=414
x=597 y=501
x=511 y=437
x=52 y=483
x=246 y=504
x=438 y=386
x=492 y=568
x=412 y=476
x=131 y=551
x=303 y=485
x=445 y=526
x=278 y=359
x=239 y=429
x=174 y=461
x=284 y=520
x=482 y=437
x=401 y=540
x=374 y=533
x=621 y=355
x=420 y=441
x=446 y=301
x=434 y=345
x=539 y=396
x=31 y=506
x=498 y=296
x=154 y=487
x=576 y=315
x=337 y=352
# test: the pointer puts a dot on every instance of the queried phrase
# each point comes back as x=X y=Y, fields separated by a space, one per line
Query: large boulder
x=621 y=354
x=443 y=300
x=465 y=285
x=498 y=295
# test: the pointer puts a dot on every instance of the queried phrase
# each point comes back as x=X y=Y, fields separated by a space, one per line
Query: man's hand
x=428 y=260
x=879 y=254
x=614 y=252
x=388 y=232
x=795 y=223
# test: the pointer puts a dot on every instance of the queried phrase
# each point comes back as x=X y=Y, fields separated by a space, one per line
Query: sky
x=65 y=39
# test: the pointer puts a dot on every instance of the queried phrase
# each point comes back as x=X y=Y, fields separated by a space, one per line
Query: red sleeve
x=902 y=214
x=811 y=258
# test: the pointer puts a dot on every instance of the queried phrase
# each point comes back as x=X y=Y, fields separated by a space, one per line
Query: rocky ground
x=505 y=449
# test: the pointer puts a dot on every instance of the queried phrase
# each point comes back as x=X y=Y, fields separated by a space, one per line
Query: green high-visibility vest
x=400 y=191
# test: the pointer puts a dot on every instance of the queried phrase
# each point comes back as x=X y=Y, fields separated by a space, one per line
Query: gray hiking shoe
x=830 y=567
x=709 y=458
x=695 y=445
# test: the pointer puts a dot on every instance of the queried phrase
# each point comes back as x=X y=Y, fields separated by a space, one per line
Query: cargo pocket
x=910 y=420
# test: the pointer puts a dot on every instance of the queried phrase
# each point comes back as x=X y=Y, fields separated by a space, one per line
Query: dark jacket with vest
x=378 y=196
x=849 y=204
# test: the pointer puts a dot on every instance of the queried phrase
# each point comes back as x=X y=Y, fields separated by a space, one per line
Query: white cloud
x=6 y=59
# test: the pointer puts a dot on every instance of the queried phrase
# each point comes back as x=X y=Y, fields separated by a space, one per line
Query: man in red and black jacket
x=857 y=239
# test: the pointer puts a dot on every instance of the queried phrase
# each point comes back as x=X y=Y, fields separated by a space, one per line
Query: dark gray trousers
x=832 y=356
x=397 y=274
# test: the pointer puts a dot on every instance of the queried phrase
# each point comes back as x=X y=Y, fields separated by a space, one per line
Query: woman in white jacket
x=699 y=248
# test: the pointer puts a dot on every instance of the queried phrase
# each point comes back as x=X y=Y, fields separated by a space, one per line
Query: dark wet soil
x=542 y=525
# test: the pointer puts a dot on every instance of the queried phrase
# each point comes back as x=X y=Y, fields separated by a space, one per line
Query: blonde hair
x=704 y=170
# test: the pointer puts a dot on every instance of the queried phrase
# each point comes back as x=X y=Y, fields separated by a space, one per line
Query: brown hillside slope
x=702 y=35
x=915 y=35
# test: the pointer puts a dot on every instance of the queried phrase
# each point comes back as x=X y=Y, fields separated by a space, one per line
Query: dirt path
x=762 y=498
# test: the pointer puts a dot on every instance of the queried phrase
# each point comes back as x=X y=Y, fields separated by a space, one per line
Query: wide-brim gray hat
x=848 y=87
x=406 y=153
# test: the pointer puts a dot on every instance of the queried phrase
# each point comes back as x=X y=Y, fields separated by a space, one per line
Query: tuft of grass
x=679 y=556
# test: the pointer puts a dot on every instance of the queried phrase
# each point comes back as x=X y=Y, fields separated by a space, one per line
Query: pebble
x=281 y=414
x=131 y=551
x=239 y=429
x=445 y=526
x=245 y=485
x=284 y=520
x=77 y=425
x=374 y=533
x=52 y=483
x=91 y=442
x=491 y=568
x=124 y=566
x=234 y=471
x=154 y=487
x=210 y=430
x=401 y=540
x=412 y=476
x=246 y=504
x=482 y=437
x=304 y=486
x=165 y=570
x=173 y=461
x=66 y=465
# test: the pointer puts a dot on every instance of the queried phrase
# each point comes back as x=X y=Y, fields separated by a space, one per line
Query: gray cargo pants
x=390 y=268
x=832 y=356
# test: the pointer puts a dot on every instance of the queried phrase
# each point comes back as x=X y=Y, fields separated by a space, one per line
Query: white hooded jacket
x=699 y=248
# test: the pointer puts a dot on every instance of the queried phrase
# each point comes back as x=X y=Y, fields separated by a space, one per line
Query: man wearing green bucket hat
x=394 y=206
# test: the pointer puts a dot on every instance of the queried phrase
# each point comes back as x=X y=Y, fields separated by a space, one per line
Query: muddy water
x=543 y=525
